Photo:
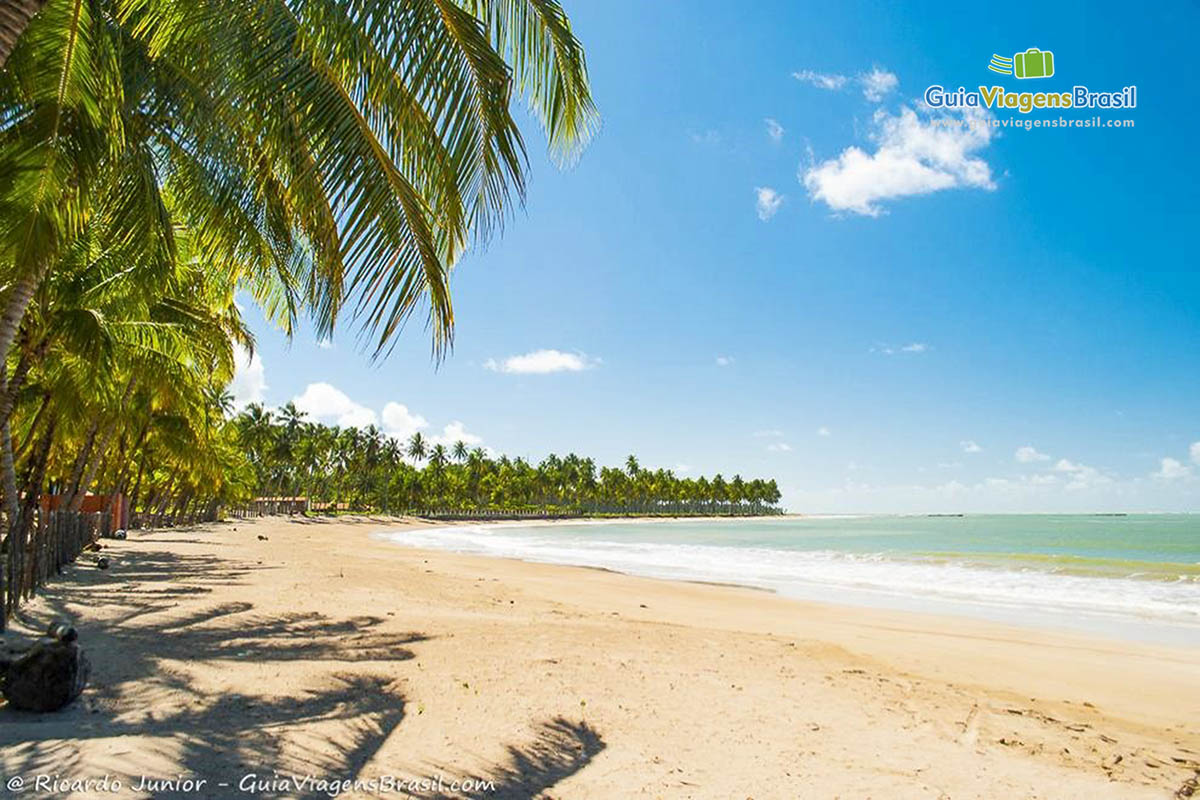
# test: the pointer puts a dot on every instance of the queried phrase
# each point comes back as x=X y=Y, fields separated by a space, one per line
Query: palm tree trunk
x=33 y=492
x=14 y=382
x=97 y=454
x=14 y=18
x=12 y=512
x=21 y=292
x=122 y=477
x=19 y=450
x=81 y=462
x=93 y=463
x=9 y=467
x=136 y=494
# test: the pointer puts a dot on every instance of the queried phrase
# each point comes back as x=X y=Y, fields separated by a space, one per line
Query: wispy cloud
x=914 y=154
x=1029 y=454
x=912 y=348
x=822 y=80
x=969 y=446
x=823 y=431
x=542 y=362
x=774 y=129
x=779 y=447
x=705 y=137
x=877 y=83
x=1195 y=452
x=767 y=202
x=725 y=361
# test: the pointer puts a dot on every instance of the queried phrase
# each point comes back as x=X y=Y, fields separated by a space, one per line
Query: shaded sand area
x=323 y=652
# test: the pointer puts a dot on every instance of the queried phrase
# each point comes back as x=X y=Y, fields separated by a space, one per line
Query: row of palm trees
x=361 y=469
x=325 y=158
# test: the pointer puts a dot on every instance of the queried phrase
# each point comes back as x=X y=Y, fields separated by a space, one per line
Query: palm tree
x=460 y=451
x=14 y=18
x=365 y=468
x=632 y=466
x=438 y=458
x=418 y=448
x=380 y=138
x=334 y=153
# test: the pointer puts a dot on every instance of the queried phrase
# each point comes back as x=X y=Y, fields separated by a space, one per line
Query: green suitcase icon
x=1033 y=63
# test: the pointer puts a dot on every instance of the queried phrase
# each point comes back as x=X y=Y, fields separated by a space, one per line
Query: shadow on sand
x=560 y=749
x=152 y=716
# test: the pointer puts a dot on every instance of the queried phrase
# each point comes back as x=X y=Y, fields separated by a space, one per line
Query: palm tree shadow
x=560 y=749
x=333 y=733
x=139 y=693
x=327 y=733
x=142 y=689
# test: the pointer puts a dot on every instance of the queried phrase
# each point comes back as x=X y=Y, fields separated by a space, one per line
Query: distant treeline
x=362 y=469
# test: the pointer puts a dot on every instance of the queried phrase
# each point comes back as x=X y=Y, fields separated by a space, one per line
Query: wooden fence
x=31 y=557
x=142 y=520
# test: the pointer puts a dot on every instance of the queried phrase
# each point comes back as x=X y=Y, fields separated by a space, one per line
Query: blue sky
x=771 y=262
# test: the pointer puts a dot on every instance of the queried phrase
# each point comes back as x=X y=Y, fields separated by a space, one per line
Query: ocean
x=1134 y=575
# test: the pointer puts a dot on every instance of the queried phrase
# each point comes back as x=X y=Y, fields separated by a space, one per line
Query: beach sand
x=321 y=651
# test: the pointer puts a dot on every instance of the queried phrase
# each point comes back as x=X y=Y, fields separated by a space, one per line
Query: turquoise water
x=1098 y=572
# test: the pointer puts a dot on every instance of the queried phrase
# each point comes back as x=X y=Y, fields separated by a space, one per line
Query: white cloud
x=877 y=83
x=249 y=384
x=1081 y=476
x=1195 y=452
x=779 y=447
x=325 y=344
x=774 y=129
x=682 y=468
x=707 y=137
x=358 y=417
x=456 y=432
x=1029 y=454
x=767 y=202
x=829 y=82
x=326 y=402
x=724 y=361
x=399 y=422
x=912 y=348
x=1171 y=469
x=969 y=446
x=914 y=155
x=823 y=431
x=542 y=362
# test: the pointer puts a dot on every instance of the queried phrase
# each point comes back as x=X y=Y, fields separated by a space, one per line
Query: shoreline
x=1119 y=625
x=322 y=649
